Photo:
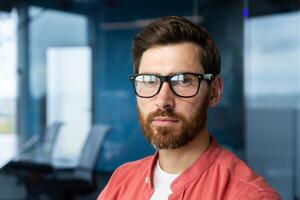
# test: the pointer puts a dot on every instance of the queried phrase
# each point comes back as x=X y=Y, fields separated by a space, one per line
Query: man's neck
x=175 y=161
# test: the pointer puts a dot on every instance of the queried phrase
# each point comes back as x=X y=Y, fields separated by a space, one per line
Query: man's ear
x=216 y=91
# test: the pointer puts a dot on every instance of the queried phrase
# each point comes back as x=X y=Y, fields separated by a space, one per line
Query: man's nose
x=165 y=97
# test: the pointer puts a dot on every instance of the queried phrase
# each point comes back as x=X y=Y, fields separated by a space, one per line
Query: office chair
x=45 y=144
x=33 y=158
x=40 y=141
x=67 y=183
x=51 y=133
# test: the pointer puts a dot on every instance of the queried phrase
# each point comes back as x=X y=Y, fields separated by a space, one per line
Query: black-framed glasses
x=182 y=84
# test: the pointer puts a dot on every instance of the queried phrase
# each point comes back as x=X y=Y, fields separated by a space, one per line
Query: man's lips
x=164 y=121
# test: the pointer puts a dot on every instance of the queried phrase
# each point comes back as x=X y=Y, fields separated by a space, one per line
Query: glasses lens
x=146 y=85
x=185 y=84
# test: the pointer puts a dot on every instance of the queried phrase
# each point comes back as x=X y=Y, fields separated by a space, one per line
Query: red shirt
x=216 y=175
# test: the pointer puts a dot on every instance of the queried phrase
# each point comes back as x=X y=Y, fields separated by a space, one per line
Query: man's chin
x=164 y=131
x=163 y=145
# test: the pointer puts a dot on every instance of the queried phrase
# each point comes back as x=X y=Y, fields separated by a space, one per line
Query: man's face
x=169 y=121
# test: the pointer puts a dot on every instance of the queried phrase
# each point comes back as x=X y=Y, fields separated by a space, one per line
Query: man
x=176 y=80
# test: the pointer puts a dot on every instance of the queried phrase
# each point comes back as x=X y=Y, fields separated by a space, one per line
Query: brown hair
x=174 y=30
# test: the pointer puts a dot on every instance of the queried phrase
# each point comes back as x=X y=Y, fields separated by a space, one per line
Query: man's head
x=175 y=60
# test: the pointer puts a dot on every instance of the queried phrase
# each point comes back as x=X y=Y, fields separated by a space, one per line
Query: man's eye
x=182 y=80
x=186 y=81
x=151 y=83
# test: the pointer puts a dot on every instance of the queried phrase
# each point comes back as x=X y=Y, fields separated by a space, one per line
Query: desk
x=8 y=144
x=34 y=169
x=28 y=162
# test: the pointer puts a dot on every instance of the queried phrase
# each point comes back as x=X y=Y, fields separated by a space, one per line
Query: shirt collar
x=199 y=166
x=195 y=170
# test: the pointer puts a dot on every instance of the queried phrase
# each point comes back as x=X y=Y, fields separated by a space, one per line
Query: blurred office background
x=64 y=67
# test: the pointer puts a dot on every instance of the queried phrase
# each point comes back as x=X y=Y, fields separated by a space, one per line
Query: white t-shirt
x=162 y=182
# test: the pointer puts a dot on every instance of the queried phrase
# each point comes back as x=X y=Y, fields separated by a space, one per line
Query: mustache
x=163 y=113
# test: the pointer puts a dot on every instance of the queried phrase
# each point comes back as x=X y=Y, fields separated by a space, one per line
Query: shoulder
x=142 y=164
x=126 y=177
x=131 y=171
x=245 y=182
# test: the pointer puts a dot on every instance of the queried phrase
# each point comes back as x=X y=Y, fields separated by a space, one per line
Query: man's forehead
x=174 y=58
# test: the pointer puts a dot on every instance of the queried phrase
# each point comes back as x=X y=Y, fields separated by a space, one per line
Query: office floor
x=10 y=189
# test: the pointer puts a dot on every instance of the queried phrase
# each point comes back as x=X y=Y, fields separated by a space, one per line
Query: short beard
x=165 y=137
